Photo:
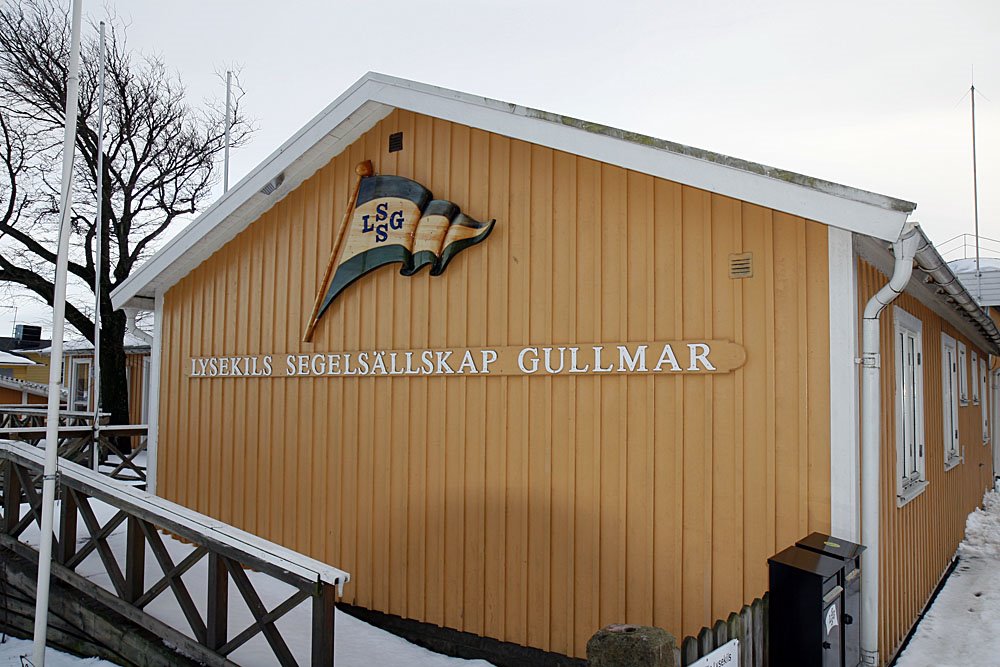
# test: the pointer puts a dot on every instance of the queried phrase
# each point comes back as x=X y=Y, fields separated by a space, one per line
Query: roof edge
x=375 y=95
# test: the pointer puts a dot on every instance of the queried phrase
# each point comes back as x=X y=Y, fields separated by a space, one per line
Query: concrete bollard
x=631 y=646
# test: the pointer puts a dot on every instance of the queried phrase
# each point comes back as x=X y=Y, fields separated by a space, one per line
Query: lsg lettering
x=395 y=221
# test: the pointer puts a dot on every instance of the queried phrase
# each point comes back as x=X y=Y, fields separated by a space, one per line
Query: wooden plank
x=689 y=650
x=324 y=625
x=734 y=627
x=747 y=637
x=706 y=642
x=67 y=527
x=135 y=560
x=217 y=614
x=11 y=497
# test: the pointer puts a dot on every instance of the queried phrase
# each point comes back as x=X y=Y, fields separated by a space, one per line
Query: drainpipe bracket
x=871 y=360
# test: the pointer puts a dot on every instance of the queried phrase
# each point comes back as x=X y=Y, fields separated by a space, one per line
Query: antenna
x=975 y=189
x=225 y=169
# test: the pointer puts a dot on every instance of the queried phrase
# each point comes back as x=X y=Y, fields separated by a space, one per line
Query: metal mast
x=975 y=194
x=98 y=262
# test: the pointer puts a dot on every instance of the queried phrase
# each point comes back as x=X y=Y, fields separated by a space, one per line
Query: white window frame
x=974 y=374
x=911 y=476
x=73 y=403
x=984 y=387
x=963 y=375
x=950 y=400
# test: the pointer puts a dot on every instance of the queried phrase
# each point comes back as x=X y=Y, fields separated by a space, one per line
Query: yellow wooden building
x=642 y=382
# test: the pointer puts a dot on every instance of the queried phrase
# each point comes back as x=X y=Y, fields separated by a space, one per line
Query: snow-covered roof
x=985 y=287
x=132 y=342
x=8 y=359
x=34 y=388
x=375 y=96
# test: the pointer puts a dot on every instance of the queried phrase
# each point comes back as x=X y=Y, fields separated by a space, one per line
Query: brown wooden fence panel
x=749 y=626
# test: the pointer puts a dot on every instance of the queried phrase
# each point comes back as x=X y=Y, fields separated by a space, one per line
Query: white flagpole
x=55 y=360
x=97 y=262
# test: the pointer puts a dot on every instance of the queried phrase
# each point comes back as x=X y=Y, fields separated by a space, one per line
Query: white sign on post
x=727 y=655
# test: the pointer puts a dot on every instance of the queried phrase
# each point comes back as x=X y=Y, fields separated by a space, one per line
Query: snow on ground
x=356 y=644
x=12 y=650
x=962 y=627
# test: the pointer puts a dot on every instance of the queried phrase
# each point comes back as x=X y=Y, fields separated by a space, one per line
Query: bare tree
x=159 y=165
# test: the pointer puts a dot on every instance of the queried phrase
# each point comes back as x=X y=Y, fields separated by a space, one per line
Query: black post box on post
x=849 y=554
x=805 y=609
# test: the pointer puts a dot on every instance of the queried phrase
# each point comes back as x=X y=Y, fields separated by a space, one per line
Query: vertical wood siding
x=10 y=396
x=920 y=538
x=137 y=371
x=529 y=509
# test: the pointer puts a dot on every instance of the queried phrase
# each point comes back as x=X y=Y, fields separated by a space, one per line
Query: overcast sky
x=869 y=94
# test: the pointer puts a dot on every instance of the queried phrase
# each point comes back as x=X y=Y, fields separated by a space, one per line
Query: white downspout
x=133 y=328
x=871 y=400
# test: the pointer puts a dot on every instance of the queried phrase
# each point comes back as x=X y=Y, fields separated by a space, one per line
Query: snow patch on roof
x=8 y=359
x=78 y=346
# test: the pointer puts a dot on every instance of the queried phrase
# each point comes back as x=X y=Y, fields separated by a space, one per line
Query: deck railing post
x=324 y=609
x=67 y=526
x=11 y=497
x=135 y=560
x=218 y=602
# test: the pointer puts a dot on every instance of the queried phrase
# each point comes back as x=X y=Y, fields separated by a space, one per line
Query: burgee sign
x=390 y=220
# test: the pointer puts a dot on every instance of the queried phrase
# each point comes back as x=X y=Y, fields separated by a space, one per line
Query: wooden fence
x=229 y=552
x=749 y=625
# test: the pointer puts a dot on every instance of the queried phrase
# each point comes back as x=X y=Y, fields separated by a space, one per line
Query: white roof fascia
x=333 y=130
x=846 y=209
x=375 y=96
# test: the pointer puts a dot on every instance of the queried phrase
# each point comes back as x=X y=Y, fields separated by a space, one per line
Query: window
x=949 y=386
x=909 y=402
x=975 y=377
x=963 y=375
x=985 y=403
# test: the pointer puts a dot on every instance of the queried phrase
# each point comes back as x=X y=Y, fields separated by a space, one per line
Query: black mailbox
x=804 y=611
x=849 y=554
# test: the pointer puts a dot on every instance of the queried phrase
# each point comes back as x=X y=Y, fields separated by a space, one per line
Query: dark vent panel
x=395 y=142
x=741 y=265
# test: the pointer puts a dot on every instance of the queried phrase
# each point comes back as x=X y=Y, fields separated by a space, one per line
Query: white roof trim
x=375 y=96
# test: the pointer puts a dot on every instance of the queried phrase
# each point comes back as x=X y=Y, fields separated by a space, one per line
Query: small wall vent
x=273 y=184
x=741 y=265
x=395 y=142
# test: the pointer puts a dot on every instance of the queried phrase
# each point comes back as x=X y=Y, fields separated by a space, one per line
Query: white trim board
x=153 y=399
x=845 y=465
x=374 y=96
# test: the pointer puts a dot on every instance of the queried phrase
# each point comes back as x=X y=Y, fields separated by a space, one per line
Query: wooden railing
x=27 y=416
x=229 y=553
x=117 y=451
x=749 y=625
